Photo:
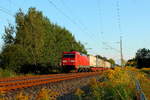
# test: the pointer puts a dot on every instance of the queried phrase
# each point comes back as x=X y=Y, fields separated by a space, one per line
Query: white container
x=92 y=60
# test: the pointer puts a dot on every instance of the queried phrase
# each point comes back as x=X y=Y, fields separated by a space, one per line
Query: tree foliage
x=143 y=58
x=131 y=62
x=36 y=44
x=8 y=36
x=112 y=61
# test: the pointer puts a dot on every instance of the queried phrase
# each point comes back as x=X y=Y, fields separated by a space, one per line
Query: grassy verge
x=117 y=84
x=145 y=81
x=146 y=70
x=43 y=94
x=4 y=73
x=7 y=73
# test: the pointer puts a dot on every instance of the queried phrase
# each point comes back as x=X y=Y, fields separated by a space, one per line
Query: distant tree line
x=141 y=60
x=35 y=44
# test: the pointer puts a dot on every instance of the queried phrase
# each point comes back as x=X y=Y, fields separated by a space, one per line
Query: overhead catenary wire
x=100 y=18
x=13 y=4
x=119 y=17
x=101 y=29
x=6 y=11
x=104 y=43
x=120 y=30
x=80 y=23
x=69 y=18
x=10 y=5
x=83 y=29
x=86 y=30
x=59 y=10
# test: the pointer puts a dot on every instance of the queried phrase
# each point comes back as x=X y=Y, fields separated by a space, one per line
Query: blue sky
x=92 y=22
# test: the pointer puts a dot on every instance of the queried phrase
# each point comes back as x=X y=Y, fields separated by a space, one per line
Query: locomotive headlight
x=64 y=60
x=72 y=60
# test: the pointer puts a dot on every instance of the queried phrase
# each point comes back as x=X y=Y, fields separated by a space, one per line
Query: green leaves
x=36 y=43
x=13 y=57
x=8 y=36
x=143 y=58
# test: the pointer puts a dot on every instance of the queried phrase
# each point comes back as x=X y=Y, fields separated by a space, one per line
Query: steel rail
x=29 y=83
x=29 y=79
x=2 y=80
x=46 y=77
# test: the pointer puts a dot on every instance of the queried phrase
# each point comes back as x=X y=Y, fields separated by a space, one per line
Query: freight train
x=78 y=62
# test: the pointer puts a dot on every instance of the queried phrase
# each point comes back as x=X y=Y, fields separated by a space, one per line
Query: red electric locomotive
x=78 y=62
x=72 y=61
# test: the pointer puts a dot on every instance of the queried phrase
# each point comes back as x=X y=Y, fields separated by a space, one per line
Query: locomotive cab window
x=69 y=55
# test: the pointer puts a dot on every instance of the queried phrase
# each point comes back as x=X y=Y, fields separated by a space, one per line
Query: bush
x=6 y=73
x=115 y=84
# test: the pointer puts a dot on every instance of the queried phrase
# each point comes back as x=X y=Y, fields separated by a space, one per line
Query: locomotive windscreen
x=69 y=56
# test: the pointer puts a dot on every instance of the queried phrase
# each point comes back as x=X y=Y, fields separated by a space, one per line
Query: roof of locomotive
x=72 y=52
x=75 y=52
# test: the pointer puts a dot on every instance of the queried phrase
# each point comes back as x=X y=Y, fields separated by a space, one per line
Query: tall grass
x=6 y=73
x=43 y=94
x=117 y=84
x=146 y=70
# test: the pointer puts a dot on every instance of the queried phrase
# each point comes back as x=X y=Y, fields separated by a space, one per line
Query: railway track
x=8 y=84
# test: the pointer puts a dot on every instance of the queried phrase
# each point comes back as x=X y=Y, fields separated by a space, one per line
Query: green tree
x=131 y=62
x=13 y=57
x=112 y=61
x=36 y=44
x=8 y=35
x=30 y=33
x=143 y=58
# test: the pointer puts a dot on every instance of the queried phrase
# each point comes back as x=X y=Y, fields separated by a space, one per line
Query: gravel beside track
x=61 y=83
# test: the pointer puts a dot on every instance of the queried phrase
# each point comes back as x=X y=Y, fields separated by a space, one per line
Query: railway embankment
x=118 y=84
x=126 y=83
x=60 y=86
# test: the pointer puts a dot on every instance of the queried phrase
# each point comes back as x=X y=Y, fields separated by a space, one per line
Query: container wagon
x=78 y=62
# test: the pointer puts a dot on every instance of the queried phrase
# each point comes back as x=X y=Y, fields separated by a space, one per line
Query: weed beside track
x=117 y=84
x=58 y=83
